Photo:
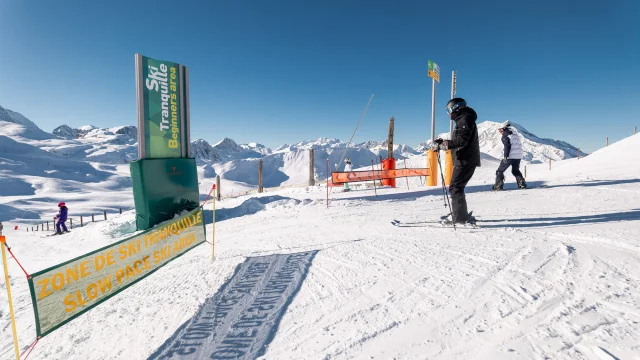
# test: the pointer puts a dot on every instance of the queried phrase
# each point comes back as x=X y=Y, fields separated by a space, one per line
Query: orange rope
x=30 y=348
x=14 y=258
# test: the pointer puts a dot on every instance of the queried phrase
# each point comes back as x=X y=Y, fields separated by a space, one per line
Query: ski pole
x=444 y=190
x=374 y=180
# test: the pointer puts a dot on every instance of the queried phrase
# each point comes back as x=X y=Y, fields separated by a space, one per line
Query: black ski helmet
x=454 y=105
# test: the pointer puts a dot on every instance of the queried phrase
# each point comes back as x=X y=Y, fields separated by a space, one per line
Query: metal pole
x=3 y=242
x=374 y=182
x=453 y=94
x=433 y=110
x=140 y=107
x=407 y=178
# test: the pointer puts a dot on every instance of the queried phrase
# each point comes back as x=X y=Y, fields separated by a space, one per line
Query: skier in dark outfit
x=513 y=153
x=464 y=143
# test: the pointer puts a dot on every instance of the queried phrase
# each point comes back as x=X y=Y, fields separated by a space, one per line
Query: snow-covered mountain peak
x=17 y=118
x=536 y=149
x=257 y=147
x=202 y=150
x=227 y=144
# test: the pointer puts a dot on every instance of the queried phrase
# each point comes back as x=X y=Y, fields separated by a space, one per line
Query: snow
x=551 y=273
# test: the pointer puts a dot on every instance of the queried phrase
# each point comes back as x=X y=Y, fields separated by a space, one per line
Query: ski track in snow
x=552 y=273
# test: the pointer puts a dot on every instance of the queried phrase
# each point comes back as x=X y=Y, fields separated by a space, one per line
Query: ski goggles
x=456 y=107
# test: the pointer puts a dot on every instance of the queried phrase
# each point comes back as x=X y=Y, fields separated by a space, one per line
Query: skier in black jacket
x=466 y=148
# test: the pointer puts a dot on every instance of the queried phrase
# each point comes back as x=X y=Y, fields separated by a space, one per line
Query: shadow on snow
x=630 y=215
x=242 y=318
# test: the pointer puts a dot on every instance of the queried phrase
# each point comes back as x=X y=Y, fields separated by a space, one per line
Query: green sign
x=63 y=292
x=434 y=71
x=162 y=123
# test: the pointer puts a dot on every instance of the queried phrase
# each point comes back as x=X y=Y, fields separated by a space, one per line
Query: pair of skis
x=56 y=234
x=444 y=222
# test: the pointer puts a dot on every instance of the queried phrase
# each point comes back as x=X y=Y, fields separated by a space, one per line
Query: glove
x=439 y=144
x=505 y=159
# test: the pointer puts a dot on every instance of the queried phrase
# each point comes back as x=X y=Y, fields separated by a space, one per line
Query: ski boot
x=499 y=185
x=521 y=183
x=446 y=220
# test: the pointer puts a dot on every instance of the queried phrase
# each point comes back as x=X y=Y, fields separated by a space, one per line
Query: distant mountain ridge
x=536 y=150
x=287 y=164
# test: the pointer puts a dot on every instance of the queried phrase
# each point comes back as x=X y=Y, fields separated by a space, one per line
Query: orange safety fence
x=353 y=176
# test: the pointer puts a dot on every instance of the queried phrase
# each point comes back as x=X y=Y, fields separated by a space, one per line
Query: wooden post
x=578 y=153
x=390 y=141
x=105 y=215
x=3 y=242
x=635 y=129
x=81 y=223
x=120 y=211
x=327 y=183
x=213 y=226
x=607 y=141
x=525 y=171
x=47 y=226
x=260 y=188
x=92 y=219
x=42 y=225
x=71 y=223
x=549 y=164
x=218 y=187
x=312 y=179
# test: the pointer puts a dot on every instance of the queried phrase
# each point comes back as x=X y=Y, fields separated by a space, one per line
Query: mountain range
x=118 y=145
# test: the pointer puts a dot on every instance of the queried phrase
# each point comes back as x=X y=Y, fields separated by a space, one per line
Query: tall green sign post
x=165 y=180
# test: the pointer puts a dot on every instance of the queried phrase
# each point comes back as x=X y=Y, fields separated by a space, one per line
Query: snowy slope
x=551 y=273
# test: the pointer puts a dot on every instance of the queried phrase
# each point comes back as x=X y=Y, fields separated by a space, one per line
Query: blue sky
x=284 y=71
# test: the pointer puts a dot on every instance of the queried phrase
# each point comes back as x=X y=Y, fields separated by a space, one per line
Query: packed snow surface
x=552 y=272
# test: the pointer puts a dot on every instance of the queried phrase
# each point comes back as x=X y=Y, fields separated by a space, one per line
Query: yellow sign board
x=65 y=291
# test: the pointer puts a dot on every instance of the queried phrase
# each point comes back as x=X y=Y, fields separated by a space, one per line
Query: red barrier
x=389 y=164
x=354 y=176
